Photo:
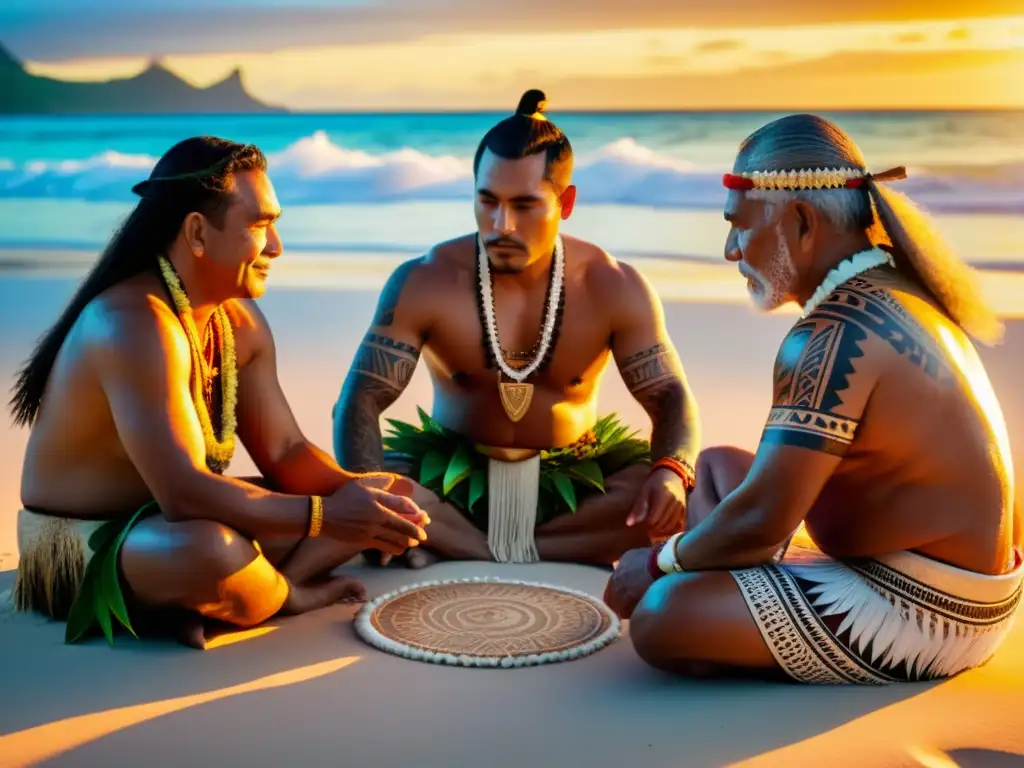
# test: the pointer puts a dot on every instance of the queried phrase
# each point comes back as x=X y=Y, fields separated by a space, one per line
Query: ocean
x=649 y=183
x=362 y=192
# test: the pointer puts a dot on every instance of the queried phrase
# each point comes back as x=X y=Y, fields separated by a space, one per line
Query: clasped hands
x=375 y=511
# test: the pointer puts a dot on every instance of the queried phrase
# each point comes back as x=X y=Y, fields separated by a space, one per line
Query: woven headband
x=141 y=188
x=818 y=178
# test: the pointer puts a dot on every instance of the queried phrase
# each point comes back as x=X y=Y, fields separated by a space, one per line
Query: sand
x=306 y=691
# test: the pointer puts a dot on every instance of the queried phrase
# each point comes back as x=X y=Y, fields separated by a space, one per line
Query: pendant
x=515 y=398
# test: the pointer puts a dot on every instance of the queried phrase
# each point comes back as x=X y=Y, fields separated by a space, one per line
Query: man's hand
x=629 y=583
x=661 y=505
x=374 y=511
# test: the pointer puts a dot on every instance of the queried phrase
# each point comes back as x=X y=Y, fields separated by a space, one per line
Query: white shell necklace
x=550 y=312
x=845 y=270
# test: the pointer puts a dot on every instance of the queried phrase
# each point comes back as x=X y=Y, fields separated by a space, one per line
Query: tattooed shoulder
x=389 y=297
x=828 y=365
x=816 y=386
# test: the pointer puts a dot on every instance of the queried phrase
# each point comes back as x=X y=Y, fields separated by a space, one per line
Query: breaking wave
x=315 y=171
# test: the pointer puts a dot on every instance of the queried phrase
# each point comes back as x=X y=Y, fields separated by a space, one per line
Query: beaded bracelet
x=316 y=516
x=681 y=468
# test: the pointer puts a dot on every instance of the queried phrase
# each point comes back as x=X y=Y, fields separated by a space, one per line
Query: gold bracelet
x=316 y=516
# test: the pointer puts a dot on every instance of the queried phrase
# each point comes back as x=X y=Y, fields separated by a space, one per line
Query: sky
x=585 y=54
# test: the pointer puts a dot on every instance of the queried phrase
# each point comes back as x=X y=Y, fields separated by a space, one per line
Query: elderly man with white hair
x=884 y=438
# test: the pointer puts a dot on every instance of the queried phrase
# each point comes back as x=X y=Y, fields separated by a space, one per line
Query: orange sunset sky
x=587 y=54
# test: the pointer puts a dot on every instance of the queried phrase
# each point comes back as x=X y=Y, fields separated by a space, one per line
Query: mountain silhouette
x=156 y=90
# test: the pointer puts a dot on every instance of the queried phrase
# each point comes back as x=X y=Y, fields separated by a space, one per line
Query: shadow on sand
x=167 y=702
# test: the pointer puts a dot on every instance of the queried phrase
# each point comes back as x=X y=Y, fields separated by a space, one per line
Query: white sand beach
x=306 y=691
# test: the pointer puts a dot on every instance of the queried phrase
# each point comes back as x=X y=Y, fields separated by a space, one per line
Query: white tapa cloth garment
x=899 y=617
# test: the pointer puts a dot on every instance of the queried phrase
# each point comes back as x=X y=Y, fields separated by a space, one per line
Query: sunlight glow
x=968 y=62
x=44 y=742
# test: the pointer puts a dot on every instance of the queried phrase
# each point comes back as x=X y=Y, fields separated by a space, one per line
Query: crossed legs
x=698 y=624
x=596 y=533
x=201 y=569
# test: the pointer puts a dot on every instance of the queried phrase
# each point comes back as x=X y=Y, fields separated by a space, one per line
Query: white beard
x=771 y=290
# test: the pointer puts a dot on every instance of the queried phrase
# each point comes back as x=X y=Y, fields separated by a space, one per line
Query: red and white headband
x=818 y=178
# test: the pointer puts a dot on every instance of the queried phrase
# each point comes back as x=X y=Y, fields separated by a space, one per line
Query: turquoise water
x=400 y=182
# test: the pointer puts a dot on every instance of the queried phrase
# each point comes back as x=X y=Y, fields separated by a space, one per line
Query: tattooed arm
x=382 y=368
x=825 y=373
x=653 y=372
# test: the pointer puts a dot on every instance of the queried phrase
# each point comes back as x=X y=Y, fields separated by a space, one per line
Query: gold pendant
x=515 y=398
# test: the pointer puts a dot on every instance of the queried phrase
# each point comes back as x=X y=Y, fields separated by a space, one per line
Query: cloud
x=127 y=27
x=854 y=80
x=960 y=33
x=911 y=38
x=880 y=80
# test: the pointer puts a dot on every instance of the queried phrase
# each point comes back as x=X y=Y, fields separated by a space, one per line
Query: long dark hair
x=193 y=176
x=528 y=132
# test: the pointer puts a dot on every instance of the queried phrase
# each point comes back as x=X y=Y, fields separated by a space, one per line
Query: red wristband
x=681 y=468
x=652 y=561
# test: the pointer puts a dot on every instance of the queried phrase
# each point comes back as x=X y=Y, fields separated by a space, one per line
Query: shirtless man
x=130 y=413
x=884 y=437
x=514 y=446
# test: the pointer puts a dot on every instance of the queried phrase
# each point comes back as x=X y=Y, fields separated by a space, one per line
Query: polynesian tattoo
x=385 y=314
x=819 y=394
x=380 y=372
x=652 y=378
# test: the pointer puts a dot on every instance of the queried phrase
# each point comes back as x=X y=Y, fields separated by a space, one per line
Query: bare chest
x=458 y=346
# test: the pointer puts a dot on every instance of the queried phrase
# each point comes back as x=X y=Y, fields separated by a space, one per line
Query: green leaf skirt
x=58 y=578
x=99 y=598
x=451 y=466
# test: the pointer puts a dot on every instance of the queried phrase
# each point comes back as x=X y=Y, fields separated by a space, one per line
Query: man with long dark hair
x=517 y=325
x=135 y=398
x=884 y=437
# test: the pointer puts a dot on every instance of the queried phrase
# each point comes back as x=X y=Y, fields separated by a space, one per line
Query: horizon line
x=281 y=111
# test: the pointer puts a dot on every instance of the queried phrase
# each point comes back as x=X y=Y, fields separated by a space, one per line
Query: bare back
x=925 y=451
x=76 y=463
x=431 y=307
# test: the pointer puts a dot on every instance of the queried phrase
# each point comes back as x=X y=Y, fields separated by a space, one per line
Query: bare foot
x=192 y=633
x=312 y=597
x=418 y=558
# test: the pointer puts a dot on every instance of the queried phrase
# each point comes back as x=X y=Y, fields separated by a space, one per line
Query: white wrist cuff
x=667 y=561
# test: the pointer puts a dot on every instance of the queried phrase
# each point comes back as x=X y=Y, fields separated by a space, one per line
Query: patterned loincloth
x=897 y=618
x=463 y=473
x=68 y=570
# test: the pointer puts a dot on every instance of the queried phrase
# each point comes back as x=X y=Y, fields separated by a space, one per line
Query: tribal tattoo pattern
x=646 y=369
x=386 y=361
x=652 y=377
x=388 y=303
x=381 y=371
x=818 y=400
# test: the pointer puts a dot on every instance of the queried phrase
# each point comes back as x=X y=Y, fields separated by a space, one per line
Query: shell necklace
x=845 y=270
x=517 y=395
